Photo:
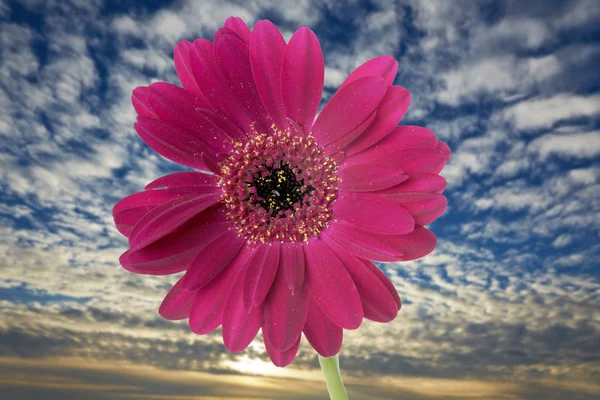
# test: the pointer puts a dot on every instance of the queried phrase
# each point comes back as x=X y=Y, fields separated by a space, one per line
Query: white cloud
x=563 y=240
x=574 y=145
x=544 y=113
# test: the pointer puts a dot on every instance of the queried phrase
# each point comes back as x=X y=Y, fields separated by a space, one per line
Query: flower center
x=279 y=187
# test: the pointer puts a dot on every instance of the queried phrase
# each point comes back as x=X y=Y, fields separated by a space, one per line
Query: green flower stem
x=333 y=380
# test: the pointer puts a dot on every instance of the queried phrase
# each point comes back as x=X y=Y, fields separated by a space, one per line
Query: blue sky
x=505 y=308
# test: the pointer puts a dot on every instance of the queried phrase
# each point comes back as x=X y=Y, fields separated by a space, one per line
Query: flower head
x=278 y=229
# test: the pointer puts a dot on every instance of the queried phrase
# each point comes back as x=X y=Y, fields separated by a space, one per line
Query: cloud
x=570 y=145
x=545 y=113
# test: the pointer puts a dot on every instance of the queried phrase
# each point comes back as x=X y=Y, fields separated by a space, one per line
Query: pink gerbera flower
x=282 y=233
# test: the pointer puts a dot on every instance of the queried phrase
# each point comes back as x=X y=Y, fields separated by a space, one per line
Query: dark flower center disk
x=279 y=189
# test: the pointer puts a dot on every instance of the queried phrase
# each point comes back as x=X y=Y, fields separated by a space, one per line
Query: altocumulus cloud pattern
x=506 y=307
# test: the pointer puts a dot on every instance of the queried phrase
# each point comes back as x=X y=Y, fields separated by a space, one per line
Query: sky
x=506 y=307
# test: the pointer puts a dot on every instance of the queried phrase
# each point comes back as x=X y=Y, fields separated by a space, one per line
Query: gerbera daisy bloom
x=279 y=227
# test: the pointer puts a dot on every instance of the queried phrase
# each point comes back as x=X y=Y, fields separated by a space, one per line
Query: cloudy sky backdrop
x=507 y=307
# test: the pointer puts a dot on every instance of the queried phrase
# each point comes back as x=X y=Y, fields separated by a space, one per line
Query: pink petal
x=266 y=55
x=369 y=177
x=166 y=99
x=443 y=147
x=322 y=334
x=185 y=179
x=373 y=213
x=425 y=160
x=139 y=99
x=180 y=108
x=331 y=286
x=212 y=259
x=385 y=67
x=206 y=72
x=302 y=76
x=281 y=358
x=207 y=310
x=177 y=304
x=386 y=282
x=400 y=138
x=167 y=217
x=260 y=274
x=175 y=252
x=378 y=304
x=355 y=133
x=424 y=207
x=239 y=27
x=292 y=264
x=418 y=182
x=389 y=112
x=416 y=244
x=348 y=108
x=233 y=60
x=360 y=243
x=173 y=143
x=239 y=327
x=181 y=57
x=129 y=210
x=224 y=125
x=284 y=314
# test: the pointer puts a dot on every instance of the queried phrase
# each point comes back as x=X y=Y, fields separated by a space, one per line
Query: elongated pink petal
x=385 y=67
x=292 y=264
x=284 y=313
x=126 y=220
x=207 y=311
x=322 y=334
x=169 y=256
x=355 y=133
x=129 y=210
x=281 y=358
x=302 y=76
x=443 y=147
x=424 y=207
x=260 y=274
x=400 y=138
x=172 y=102
x=386 y=282
x=390 y=111
x=373 y=213
x=417 y=159
x=175 y=252
x=331 y=286
x=139 y=99
x=185 y=179
x=266 y=56
x=177 y=304
x=224 y=125
x=378 y=304
x=239 y=326
x=173 y=143
x=179 y=107
x=360 y=243
x=418 y=181
x=167 y=217
x=239 y=27
x=424 y=160
x=233 y=60
x=369 y=177
x=206 y=72
x=416 y=244
x=356 y=102
x=181 y=56
x=212 y=259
